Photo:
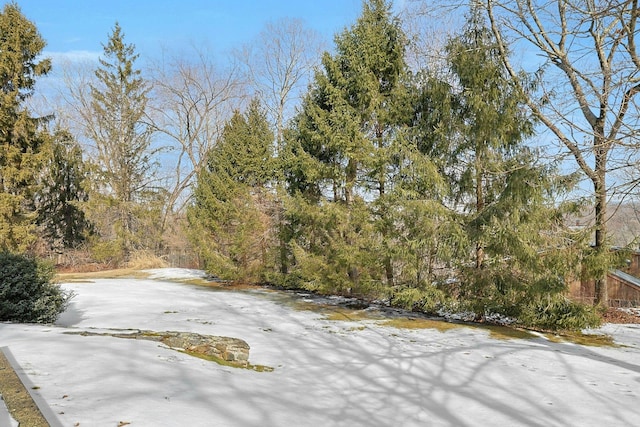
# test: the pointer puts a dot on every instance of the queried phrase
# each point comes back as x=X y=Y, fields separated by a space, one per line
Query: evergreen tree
x=230 y=219
x=341 y=142
x=21 y=147
x=121 y=136
x=490 y=119
x=521 y=253
x=62 y=191
x=422 y=229
x=334 y=248
x=350 y=115
x=421 y=233
x=28 y=294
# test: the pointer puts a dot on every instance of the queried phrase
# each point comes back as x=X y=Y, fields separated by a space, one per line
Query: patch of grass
x=223 y=285
x=503 y=332
x=18 y=400
x=142 y=260
x=347 y=314
x=197 y=281
x=65 y=280
x=301 y=305
x=404 y=322
x=105 y=274
x=507 y=333
x=591 y=340
x=419 y=323
x=495 y=331
x=344 y=314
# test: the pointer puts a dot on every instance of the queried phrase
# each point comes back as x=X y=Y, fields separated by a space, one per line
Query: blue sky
x=81 y=26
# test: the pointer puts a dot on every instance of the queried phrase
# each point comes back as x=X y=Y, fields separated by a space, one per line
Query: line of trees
x=420 y=188
x=430 y=188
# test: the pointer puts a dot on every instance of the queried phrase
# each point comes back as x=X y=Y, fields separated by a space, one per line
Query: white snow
x=326 y=373
x=175 y=273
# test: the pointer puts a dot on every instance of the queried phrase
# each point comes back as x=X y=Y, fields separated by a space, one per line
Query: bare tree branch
x=192 y=99
x=278 y=65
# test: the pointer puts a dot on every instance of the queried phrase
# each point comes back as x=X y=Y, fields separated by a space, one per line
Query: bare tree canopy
x=278 y=64
x=192 y=100
x=586 y=78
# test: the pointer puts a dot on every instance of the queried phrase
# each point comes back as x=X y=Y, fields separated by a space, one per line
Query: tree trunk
x=282 y=240
x=479 y=208
x=388 y=262
x=601 y=289
x=388 y=268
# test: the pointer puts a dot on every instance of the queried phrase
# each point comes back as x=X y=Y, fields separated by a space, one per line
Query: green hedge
x=27 y=293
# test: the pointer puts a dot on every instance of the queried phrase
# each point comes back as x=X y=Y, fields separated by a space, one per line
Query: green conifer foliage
x=230 y=219
x=340 y=149
x=122 y=138
x=20 y=145
x=63 y=190
x=27 y=293
x=522 y=252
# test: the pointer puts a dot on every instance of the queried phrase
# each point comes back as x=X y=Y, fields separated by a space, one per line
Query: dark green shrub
x=26 y=291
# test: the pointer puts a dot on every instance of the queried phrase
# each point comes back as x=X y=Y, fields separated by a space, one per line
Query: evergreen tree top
x=375 y=44
x=119 y=59
x=20 y=47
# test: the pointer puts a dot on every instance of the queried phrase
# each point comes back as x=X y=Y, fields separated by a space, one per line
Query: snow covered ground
x=326 y=372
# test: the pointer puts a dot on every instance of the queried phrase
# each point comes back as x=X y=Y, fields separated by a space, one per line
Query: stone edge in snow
x=42 y=405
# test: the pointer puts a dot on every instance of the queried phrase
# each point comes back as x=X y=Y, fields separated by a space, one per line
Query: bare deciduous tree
x=587 y=83
x=192 y=100
x=278 y=65
x=427 y=27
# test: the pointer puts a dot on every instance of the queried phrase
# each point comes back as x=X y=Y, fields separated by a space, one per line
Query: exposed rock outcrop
x=233 y=351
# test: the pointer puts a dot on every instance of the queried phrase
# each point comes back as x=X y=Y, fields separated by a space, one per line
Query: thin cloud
x=73 y=56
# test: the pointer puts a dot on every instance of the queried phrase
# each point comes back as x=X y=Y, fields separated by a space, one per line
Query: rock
x=233 y=350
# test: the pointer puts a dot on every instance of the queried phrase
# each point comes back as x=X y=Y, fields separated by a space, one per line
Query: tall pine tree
x=520 y=249
x=230 y=219
x=63 y=190
x=341 y=141
x=122 y=141
x=21 y=146
x=491 y=123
